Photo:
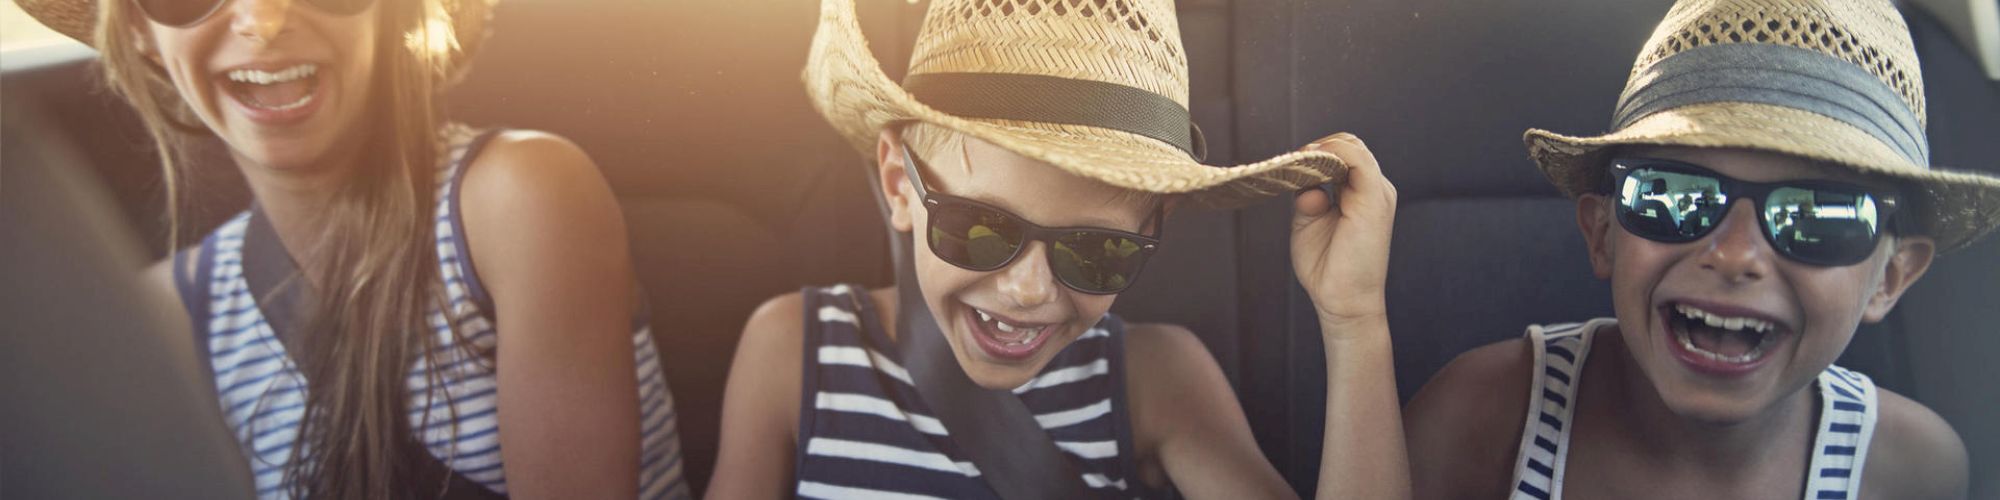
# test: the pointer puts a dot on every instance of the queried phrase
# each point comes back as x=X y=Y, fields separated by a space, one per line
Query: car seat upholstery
x=734 y=190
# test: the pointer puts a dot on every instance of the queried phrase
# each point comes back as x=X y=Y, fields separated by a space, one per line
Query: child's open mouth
x=1005 y=339
x=275 y=96
x=1719 y=343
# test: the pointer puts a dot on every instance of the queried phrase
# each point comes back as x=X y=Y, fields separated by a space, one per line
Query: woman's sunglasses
x=1814 y=222
x=981 y=237
x=184 y=13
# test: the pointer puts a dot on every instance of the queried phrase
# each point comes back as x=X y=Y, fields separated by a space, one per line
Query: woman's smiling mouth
x=279 y=95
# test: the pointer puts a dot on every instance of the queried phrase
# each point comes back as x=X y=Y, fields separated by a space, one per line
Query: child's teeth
x=1006 y=327
x=1704 y=317
x=1752 y=355
x=982 y=315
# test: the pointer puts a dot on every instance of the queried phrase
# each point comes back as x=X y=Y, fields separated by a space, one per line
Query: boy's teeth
x=1688 y=343
x=1029 y=338
x=1007 y=328
x=1713 y=320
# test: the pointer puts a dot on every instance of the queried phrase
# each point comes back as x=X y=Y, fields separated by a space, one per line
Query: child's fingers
x=1360 y=161
x=1365 y=183
x=1312 y=202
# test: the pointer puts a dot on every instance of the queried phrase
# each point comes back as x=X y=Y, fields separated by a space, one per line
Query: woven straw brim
x=1955 y=208
x=846 y=84
x=77 y=19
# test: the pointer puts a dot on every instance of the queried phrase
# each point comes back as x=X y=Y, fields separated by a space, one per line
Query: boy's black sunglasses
x=1822 y=223
x=981 y=237
x=184 y=13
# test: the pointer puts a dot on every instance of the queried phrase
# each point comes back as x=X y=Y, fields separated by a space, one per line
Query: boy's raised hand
x=1340 y=250
x=1340 y=245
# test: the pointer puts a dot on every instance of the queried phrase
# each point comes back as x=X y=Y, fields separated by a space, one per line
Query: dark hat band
x=1780 y=76
x=1069 y=101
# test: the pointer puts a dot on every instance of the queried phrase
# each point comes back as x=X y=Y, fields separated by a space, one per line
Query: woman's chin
x=278 y=154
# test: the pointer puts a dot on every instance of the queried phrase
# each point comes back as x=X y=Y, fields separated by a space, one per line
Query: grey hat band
x=1781 y=76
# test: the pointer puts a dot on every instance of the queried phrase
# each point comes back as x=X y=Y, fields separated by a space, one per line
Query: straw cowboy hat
x=78 y=19
x=1830 y=80
x=1098 y=89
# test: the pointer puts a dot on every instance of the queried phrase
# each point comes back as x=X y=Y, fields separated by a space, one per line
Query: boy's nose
x=260 y=20
x=1027 y=281
x=1737 y=250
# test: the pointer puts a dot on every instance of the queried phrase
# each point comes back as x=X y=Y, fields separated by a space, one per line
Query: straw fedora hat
x=1098 y=89
x=1830 y=80
x=78 y=19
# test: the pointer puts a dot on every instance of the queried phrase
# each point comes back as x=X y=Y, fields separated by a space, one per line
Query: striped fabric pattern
x=865 y=433
x=1840 y=446
x=1559 y=353
x=1847 y=421
x=456 y=415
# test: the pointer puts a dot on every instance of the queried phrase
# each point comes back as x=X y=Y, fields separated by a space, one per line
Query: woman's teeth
x=1027 y=334
x=261 y=77
x=280 y=90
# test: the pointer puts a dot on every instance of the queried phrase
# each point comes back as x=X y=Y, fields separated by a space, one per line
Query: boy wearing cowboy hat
x=1025 y=166
x=1765 y=189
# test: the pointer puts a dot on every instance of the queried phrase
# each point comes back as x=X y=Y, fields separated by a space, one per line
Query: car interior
x=734 y=190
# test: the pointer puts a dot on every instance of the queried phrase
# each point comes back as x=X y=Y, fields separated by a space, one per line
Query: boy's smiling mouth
x=1006 y=339
x=1721 y=341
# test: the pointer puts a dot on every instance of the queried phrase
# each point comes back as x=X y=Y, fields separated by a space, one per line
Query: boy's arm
x=1464 y=425
x=1340 y=251
x=760 y=406
x=1914 y=453
x=1187 y=422
x=1363 y=453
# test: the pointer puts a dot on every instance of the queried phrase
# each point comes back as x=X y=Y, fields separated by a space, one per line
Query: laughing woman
x=355 y=348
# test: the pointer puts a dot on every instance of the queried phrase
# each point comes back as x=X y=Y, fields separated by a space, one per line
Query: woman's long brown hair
x=377 y=277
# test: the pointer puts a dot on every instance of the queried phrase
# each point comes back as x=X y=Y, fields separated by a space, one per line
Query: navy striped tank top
x=865 y=433
x=262 y=391
x=1840 y=444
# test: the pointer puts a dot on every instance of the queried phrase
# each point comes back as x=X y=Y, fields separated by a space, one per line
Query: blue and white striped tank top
x=1846 y=419
x=262 y=390
x=865 y=433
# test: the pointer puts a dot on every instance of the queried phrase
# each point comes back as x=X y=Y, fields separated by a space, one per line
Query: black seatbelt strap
x=1015 y=456
x=285 y=300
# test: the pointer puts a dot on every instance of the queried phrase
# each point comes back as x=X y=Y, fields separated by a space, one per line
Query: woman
x=354 y=344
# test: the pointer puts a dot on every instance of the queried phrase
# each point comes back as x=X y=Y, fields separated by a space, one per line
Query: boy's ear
x=892 y=182
x=1593 y=217
x=1912 y=256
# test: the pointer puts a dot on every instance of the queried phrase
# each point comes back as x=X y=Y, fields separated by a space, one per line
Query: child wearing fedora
x=1765 y=189
x=354 y=347
x=1025 y=167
